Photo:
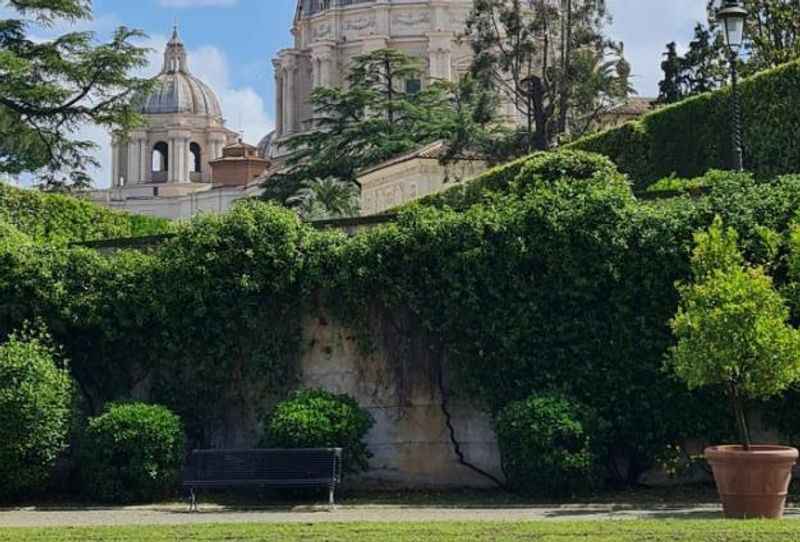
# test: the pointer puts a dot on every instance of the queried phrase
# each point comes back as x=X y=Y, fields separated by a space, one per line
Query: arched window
x=197 y=155
x=160 y=157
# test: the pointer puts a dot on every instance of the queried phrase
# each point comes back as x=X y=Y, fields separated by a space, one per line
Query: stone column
x=289 y=100
x=133 y=161
x=114 y=162
x=181 y=138
x=187 y=156
x=171 y=169
x=217 y=142
x=145 y=161
x=278 y=97
x=181 y=171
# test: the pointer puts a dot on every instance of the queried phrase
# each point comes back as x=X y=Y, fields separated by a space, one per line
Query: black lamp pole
x=736 y=113
x=733 y=15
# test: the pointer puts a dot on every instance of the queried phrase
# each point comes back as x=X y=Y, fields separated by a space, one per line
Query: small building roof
x=634 y=106
x=432 y=151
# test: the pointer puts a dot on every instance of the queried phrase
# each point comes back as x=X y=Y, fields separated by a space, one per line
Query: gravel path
x=178 y=515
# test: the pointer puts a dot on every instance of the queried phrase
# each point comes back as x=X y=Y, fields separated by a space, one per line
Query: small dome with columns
x=177 y=90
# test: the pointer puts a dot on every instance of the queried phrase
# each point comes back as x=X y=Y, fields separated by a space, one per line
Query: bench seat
x=281 y=468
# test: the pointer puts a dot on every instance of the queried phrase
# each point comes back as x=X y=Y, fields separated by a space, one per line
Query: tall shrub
x=547 y=446
x=35 y=413
x=319 y=419
x=132 y=453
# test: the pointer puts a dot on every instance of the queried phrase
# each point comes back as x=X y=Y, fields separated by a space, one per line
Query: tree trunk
x=739 y=414
x=566 y=65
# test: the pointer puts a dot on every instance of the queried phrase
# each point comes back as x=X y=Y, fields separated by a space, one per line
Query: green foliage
x=319 y=419
x=546 y=446
x=61 y=219
x=772 y=32
x=675 y=185
x=213 y=318
x=35 y=413
x=52 y=87
x=569 y=286
x=544 y=274
x=732 y=326
x=523 y=175
x=319 y=199
x=132 y=453
x=553 y=83
x=704 y=67
x=375 y=118
x=689 y=138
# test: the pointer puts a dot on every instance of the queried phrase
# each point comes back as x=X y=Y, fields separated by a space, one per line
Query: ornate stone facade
x=164 y=169
x=184 y=130
x=329 y=33
x=412 y=176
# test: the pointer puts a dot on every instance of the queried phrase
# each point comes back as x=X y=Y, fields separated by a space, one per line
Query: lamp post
x=733 y=15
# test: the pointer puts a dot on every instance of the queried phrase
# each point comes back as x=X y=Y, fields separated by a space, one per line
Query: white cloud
x=243 y=107
x=646 y=26
x=198 y=3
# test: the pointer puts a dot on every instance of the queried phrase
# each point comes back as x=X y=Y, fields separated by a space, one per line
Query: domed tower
x=329 y=33
x=184 y=130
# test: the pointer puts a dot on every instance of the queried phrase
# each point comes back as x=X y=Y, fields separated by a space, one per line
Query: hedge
x=60 y=218
x=693 y=136
x=551 y=285
x=522 y=176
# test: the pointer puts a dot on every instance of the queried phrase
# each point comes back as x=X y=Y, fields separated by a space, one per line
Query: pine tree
x=383 y=112
x=704 y=67
x=51 y=88
x=672 y=87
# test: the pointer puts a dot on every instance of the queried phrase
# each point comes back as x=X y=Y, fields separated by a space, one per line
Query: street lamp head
x=733 y=14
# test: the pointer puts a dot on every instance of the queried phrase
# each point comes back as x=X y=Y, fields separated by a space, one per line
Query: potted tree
x=732 y=331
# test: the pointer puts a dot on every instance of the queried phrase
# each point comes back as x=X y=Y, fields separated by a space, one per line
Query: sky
x=231 y=44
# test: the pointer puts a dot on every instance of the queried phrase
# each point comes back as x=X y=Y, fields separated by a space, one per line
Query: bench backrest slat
x=282 y=466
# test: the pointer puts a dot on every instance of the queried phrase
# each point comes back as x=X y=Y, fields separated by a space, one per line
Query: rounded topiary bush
x=546 y=447
x=545 y=168
x=319 y=419
x=132 y=453
x=35 y=413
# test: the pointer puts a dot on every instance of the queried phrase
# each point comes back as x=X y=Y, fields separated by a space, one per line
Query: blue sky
x=231 y=43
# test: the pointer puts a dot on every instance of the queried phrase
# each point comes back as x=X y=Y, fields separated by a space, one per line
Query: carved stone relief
x=411 y=19
x=357 y=25
x=324 y=30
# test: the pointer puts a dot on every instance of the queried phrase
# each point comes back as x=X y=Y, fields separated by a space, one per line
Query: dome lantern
x=177 y=90
x=175 y=55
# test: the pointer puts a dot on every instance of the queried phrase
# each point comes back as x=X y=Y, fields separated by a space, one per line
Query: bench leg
x=193 y=501
x=331 y=501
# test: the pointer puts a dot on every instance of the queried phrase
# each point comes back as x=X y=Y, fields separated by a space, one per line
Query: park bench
x=300 y=468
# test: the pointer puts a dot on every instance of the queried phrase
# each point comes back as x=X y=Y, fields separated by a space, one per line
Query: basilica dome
x=177 y=90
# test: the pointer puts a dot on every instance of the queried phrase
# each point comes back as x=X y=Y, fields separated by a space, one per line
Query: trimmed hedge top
x=522 y=176
x=693 y=136
x=61 y=219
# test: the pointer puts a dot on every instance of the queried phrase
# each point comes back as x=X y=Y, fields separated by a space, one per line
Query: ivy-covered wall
x=693 y=136
x=59 y=219
x=555 y=278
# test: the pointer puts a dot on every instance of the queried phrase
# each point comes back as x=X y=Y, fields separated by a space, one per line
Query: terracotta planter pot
x=752 y=484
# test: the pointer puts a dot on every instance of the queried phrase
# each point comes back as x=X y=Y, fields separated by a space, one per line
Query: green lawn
x=607 y=531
